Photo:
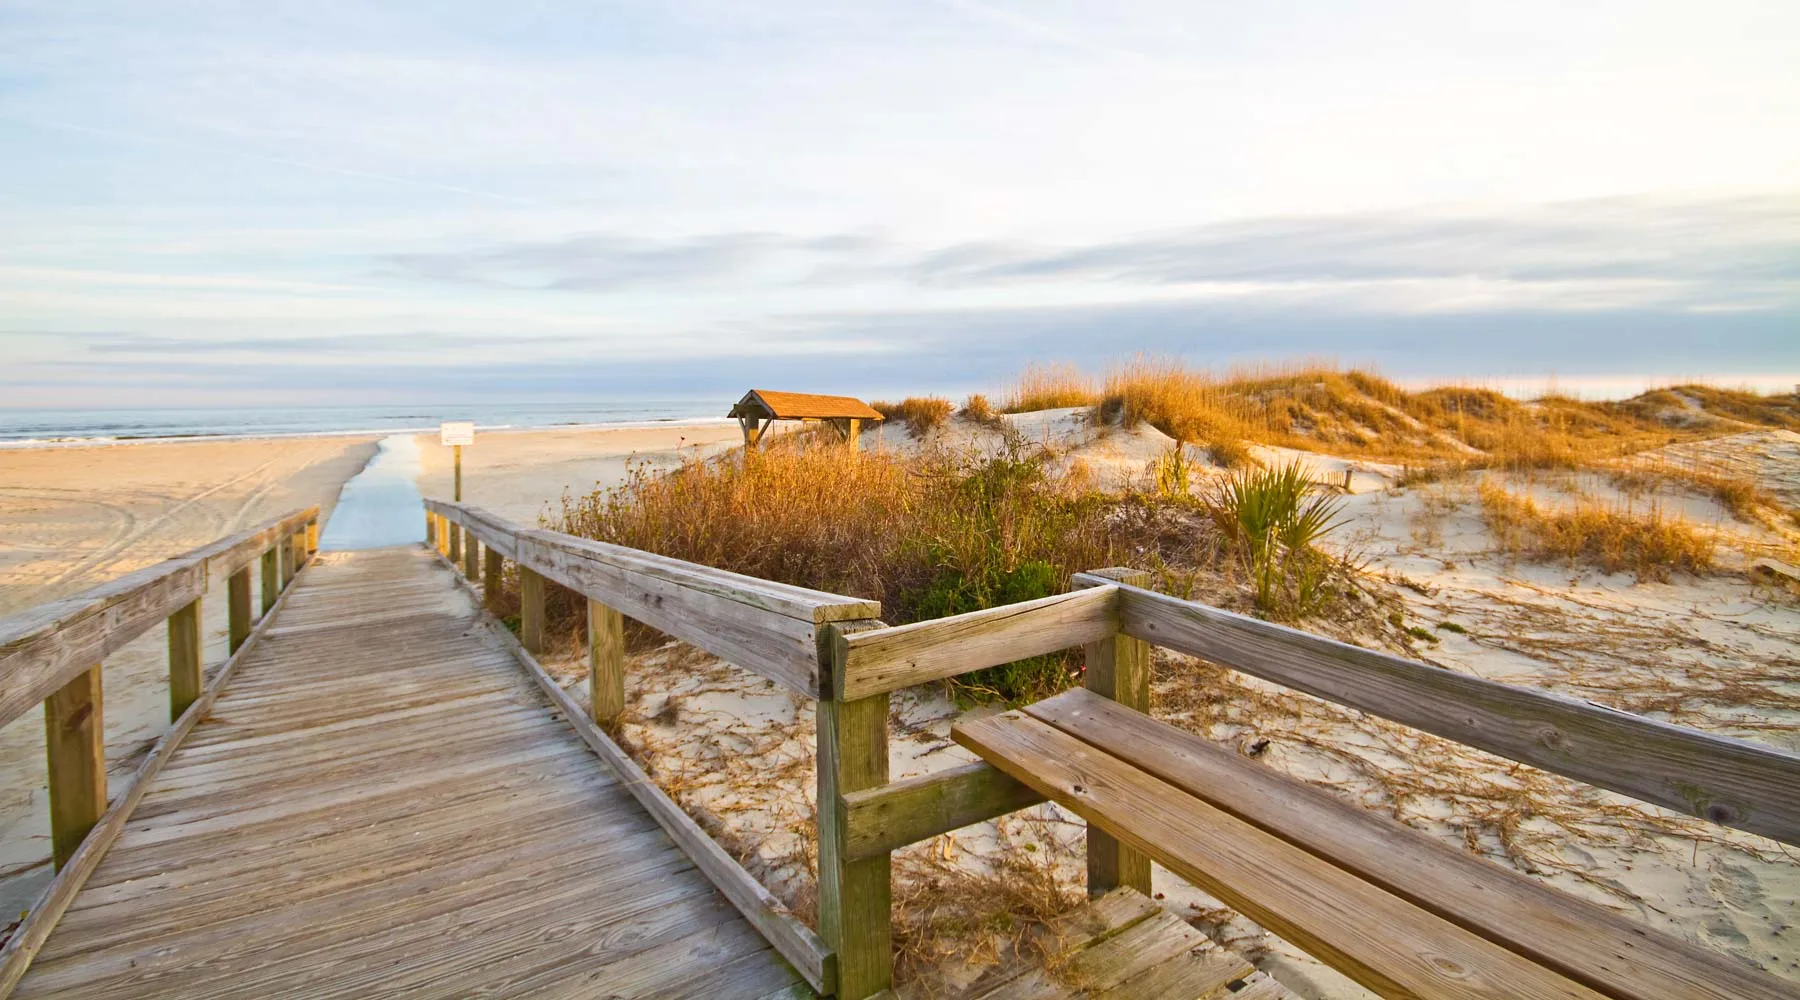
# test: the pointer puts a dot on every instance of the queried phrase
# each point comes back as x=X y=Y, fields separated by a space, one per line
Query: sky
x=210 y=202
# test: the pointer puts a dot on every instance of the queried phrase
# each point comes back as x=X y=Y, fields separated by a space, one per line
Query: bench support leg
x=855 y=897
x=1118 y=668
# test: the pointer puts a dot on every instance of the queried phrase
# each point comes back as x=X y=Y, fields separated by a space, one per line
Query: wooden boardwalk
x=382 y=802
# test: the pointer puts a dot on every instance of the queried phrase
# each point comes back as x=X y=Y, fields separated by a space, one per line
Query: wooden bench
x=1396 y=910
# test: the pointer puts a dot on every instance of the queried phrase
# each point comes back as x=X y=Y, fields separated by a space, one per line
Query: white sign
x=453 y=432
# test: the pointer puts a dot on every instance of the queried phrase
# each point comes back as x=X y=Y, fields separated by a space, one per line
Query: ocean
x=46 y=428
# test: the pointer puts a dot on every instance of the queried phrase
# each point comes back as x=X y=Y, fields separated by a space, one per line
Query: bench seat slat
x=1609 y=952
x=1370 y=935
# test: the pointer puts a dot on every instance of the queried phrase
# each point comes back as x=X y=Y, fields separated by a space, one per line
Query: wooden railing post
x=1118 y=668
x=471 y=556
x=75 y=745
x=186 y=645
x=237 y=607
x=271 y=577
x=606 y=663
x=456 y=543
x=491 y=568
x=297 y=542
x=531 y=609
x=286 y=555
x=312 y=537
x=430 y=528
x=855 y=897
x=443 y=534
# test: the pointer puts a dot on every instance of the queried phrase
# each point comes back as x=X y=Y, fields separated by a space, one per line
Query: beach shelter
x=760 y=407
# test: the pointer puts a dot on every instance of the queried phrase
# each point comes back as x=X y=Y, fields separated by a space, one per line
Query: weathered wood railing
x=832 y=649
x=53 y=654
x=773 y=629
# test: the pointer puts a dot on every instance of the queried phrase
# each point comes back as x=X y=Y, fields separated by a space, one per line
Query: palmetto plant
x=1273 y=517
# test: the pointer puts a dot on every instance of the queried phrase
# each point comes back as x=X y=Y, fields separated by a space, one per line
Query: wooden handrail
x=45 y=647
x=54 y=654
x=767 y=627
x=770 y=628
x=889 y=659
x=773 y=629
x=1731 y=782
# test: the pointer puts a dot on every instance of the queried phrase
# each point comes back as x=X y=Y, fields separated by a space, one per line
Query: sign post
x=455 y=434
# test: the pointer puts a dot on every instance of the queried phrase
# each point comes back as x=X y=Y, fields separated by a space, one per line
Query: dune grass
x=920 y=414
x=1050 y=387
x=1651 y=543
x=928 y=535
x=1321 y=407
x=977 y=408
x=1738 y=494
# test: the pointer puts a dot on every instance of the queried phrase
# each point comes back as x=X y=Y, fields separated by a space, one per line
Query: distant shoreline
x=100 y=441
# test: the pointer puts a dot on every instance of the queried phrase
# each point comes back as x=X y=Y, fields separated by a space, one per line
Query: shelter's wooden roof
x=802 y=406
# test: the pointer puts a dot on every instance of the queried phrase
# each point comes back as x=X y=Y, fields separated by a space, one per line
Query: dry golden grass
x=928 y=534
x=981 y=411
x=920 y=414
x=1317 y=406
x=1050 y=387
x=1737 y=493
x=1651 y=543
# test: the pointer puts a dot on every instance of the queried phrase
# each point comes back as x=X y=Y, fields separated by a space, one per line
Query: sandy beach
x=522 y=474
x=74 y=517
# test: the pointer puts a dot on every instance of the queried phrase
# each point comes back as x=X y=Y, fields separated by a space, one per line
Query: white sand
x=521 y=475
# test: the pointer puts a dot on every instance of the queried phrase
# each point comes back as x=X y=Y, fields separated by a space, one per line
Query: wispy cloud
x=443 y=190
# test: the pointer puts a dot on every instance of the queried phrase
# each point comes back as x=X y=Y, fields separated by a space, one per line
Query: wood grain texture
x=1731 y=782
x=45 y=647
x=766 y=627
x=1118 y=668
x=790 y=601
x=531 y=609
x=493 y=569
x=75 y=745
x=1378 y=939
x=855 y=895
x=270 y=583
x=237 y=608
x=888 y=817
x=307 y=840
x=606 y=663
x=54 y=901
x=893 y=658
x=776 y=646
x=797 y=943
x=1588 y=943
x=1120 y=946
x=187 y=647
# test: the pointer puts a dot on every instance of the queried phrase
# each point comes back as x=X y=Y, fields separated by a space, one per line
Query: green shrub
x=1272 y=517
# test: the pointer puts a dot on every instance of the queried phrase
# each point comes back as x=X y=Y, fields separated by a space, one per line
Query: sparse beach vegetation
x=1050 y=387
x=1649 y=542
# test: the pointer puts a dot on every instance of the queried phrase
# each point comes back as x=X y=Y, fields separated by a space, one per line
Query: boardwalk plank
x=381 y=802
